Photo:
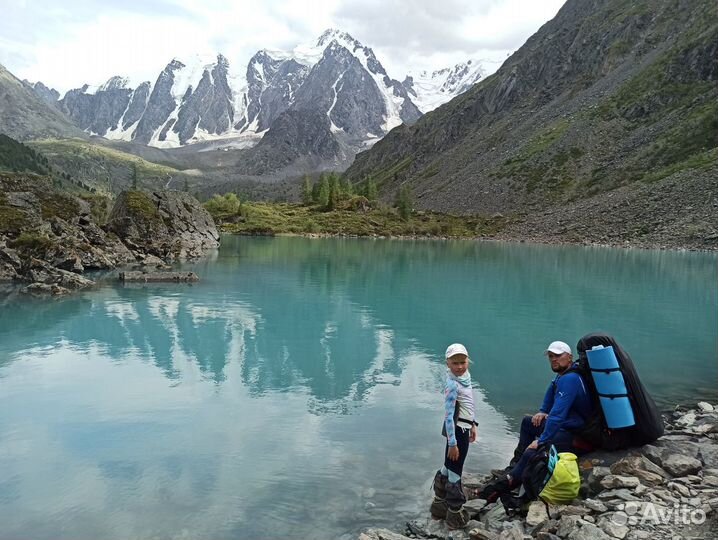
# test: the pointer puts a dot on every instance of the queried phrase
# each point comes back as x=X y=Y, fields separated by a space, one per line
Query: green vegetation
x=11 y=219
x=284 y=218
x=101 y=168
x=224 y=207
x=140 y=204
x=58 y=204
x=393 y=171
x=696 y=161
x=405 y=202
x=17 y=157
x=32 y=242
x=544 y=163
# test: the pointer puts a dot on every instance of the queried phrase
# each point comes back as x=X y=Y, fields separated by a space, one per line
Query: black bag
x=533 y=480
x=649 y=422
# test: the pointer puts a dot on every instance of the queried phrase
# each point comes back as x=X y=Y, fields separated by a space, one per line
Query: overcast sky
x=67 y=43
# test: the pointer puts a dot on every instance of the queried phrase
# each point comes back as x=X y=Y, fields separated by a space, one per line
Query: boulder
x=613 y=481
x=39 y=271
x=10 y=263
x=168 y=224
x=681 y=465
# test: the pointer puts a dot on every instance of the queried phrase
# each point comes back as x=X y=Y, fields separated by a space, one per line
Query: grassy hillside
x=17 y=157
x=606 y=95
x=103 y=168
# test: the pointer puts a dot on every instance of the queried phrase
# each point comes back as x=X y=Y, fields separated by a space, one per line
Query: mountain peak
x=332 y=34
x=114 y=83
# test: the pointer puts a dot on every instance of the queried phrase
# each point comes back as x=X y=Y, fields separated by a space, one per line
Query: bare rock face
x=167 y=224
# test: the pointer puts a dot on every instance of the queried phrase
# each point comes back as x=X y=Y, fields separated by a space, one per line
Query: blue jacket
x=567 y=404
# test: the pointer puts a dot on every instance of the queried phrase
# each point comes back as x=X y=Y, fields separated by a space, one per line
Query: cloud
x=88 y=41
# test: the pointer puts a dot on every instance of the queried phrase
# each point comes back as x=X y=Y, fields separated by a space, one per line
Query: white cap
x=558 y=347
x=456 y=348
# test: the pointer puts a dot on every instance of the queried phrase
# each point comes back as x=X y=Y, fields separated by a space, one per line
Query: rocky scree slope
x=606 y=95
x=24 y=115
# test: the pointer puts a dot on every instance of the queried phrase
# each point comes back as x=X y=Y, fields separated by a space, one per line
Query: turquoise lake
x=295 y=391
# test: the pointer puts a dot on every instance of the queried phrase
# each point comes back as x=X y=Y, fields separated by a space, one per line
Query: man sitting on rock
x=566 y=407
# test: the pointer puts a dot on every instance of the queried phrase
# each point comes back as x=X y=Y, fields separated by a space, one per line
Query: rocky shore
x=666 y=490
x=49 y=238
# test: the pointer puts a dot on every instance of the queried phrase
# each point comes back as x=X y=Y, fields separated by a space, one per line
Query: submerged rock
x=146 y=277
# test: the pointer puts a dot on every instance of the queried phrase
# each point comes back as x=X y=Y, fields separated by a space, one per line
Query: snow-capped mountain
x=205 y=98
x=429 y=90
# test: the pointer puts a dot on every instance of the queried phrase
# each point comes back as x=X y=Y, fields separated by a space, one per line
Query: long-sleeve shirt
x=567 y=404
x=455 y=392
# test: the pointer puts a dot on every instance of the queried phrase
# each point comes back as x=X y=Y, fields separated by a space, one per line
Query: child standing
x=459 y=430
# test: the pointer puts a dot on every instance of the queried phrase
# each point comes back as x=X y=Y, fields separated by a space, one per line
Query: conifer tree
x=323 y=197
x=347 y=188
x=371 y=189
x=334 y=191
x=405 y=202
x=307 y=191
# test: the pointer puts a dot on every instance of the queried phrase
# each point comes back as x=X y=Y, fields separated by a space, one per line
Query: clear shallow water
x=295 y=391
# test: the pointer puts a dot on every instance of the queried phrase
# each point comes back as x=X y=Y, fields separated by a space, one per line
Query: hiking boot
x=493 y=490
x=457 y=519
x=438 y=505
x=501 y=473
x=456 y=515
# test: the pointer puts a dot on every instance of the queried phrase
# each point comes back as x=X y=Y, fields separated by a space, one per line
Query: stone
x=588 y=531
x=616 y=481
x=480 y=533
x=679 y=488
x=474 y=506
x=705 y=407
x=543 y=535
x=494 y=517
x=536 y=513
x=147 y=277
x=568 y=524
x=570 y=510
x=710 y=481
x=641 y=467
x=617 y=494
x=653 y=453
x=594 y=478
x=687 y=419
x=612 y=528
x=44 y=289
x=513 y=530
x=381 y=534
x=709 y=452
x=665 y=496
x=681 y=465
x=595 y=506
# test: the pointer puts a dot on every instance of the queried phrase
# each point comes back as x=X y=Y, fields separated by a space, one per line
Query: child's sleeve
x=451 y=392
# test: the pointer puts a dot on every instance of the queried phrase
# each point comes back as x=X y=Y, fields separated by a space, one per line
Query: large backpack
x=648 y=421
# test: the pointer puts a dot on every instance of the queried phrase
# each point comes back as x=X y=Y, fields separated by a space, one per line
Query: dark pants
x=462 y=442
x=563 y=441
